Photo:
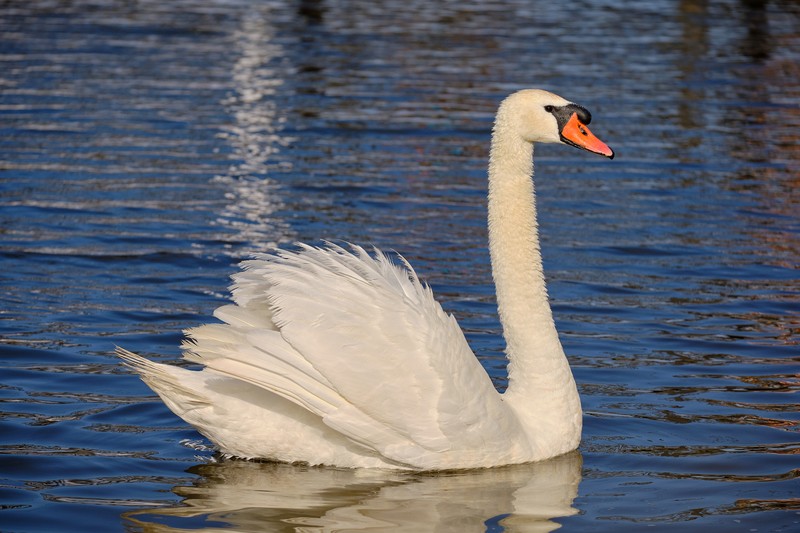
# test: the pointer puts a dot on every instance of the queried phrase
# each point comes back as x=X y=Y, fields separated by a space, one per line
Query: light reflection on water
x=149 y=146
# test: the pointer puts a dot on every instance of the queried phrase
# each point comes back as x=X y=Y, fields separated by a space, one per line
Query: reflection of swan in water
x=337 y=357
x=247 y=496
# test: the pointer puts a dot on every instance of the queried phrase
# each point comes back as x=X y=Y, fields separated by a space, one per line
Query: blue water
x=147 y=147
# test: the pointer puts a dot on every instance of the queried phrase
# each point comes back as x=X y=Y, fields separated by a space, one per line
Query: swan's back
x=360 y=349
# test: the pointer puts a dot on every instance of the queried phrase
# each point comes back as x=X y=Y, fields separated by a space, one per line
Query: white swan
x=335 y=356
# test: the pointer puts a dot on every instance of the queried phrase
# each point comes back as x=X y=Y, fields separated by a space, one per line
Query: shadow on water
x=249 y=496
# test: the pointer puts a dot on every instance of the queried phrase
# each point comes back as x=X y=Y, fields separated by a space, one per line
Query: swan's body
x=339 y=357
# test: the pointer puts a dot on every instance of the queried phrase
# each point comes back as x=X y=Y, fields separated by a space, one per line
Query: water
x=147 y=147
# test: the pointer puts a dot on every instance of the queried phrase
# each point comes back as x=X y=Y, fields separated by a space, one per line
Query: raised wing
x=361 y=342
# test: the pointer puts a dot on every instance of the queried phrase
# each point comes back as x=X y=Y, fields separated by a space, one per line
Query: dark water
x=146 y=147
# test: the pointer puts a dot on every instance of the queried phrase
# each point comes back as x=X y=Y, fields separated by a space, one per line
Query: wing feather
x=358 y=340
x=377 y=334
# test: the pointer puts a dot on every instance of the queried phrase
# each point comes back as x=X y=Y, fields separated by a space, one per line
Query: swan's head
x=541 y=116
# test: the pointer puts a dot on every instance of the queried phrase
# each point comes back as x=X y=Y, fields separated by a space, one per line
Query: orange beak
x=577 y=134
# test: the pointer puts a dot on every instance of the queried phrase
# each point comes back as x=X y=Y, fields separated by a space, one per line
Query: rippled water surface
x=146 y=147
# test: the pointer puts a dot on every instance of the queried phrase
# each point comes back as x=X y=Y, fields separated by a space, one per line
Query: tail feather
x=166 y=381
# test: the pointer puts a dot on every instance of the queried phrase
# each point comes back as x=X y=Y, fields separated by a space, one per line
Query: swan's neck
x=540 y=381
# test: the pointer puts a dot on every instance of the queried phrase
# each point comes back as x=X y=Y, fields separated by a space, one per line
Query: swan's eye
x=549 y=108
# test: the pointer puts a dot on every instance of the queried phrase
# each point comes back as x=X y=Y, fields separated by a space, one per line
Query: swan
x=333 y=355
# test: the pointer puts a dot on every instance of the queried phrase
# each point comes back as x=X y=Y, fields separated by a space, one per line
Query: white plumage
x=333 y=355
